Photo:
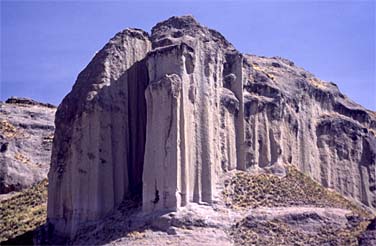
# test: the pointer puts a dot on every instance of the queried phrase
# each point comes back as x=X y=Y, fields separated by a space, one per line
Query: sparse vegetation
x=7 y=129
x=22 y=158
x=24 y=211
x=277 y=232
x=318 y=83
x=244 y=191
x=262 y=70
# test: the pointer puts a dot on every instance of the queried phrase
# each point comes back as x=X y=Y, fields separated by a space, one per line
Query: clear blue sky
x=45 y=44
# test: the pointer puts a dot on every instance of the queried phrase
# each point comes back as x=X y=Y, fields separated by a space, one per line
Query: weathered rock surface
x=26 y=133
x=293 y=117
x=368 y=237
x=100 y=133
x=163 y=116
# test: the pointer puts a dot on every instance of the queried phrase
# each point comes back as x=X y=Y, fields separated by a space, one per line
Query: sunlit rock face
x=161 y=117
x=293 y=117
x=194 y=120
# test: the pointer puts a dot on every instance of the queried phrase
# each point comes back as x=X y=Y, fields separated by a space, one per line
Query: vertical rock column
x=160 y=190
x=193 y=111
x=233 y=80
x=163 y=162
x=179 y=153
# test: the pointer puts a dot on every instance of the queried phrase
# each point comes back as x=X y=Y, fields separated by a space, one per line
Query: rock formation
x=26 y=133
x=163 y=116
x=292 y=117
x=368 y=237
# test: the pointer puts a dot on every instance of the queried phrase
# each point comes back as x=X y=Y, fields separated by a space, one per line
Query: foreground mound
x=246 y=190
x=292 y=210
x=23 y=212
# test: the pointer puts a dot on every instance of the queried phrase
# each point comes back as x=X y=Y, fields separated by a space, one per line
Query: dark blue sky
x=45 y=44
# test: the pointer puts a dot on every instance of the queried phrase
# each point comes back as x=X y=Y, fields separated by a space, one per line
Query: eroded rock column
x=100 y=126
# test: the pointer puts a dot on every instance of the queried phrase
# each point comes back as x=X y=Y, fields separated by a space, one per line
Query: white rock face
x=161 y=117
x=192 y=93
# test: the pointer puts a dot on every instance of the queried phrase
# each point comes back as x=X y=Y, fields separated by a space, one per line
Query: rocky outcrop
x=28 y=101
x=293 y=117
x=163 y=116
x=26 y=133
x=368 y=237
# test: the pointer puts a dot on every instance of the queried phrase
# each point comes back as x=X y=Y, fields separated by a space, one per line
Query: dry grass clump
x=277 y=232
x=136 y=234
x=318 y=83
x=23 y=212
x=21 y=158
x=245 y=190
x=262 y=70
x=7 y=129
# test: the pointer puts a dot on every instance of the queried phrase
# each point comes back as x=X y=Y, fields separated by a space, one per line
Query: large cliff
x=162 y=117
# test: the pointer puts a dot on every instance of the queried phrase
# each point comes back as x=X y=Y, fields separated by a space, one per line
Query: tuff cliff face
x=26 y=133
x=293 y=117
x=162 y=117
x=200 y=115
x=98 y=147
